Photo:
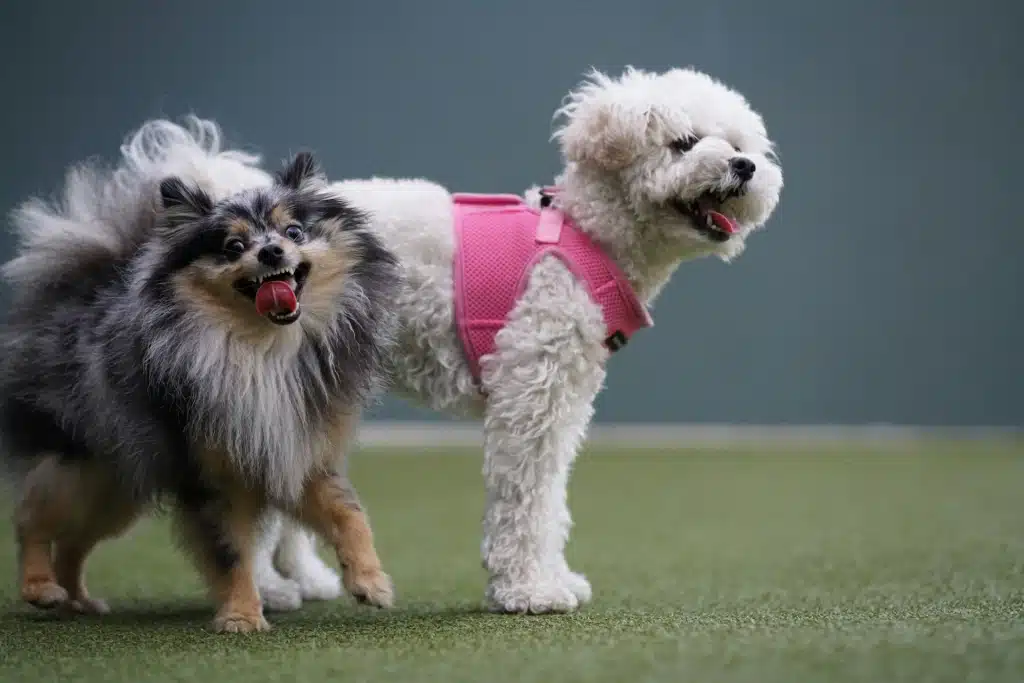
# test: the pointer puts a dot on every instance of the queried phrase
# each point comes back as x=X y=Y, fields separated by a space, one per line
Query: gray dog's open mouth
x=708 y=219
x=276 y=295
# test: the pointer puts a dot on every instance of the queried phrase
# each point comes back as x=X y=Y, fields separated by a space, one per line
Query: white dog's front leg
x=526 y=521
x=541 y=383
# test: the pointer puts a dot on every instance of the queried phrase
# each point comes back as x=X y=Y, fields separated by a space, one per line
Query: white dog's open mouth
x=707 y=217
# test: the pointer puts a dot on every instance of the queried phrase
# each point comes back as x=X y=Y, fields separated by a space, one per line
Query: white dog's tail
x=104 y=215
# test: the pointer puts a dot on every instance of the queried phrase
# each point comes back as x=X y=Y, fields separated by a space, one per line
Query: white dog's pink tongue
x=722 y=222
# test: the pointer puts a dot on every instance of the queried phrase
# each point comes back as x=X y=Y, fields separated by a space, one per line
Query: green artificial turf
x=835 y=564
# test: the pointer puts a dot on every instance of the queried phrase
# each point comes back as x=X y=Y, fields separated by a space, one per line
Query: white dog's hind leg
x=298 y=560
x=277 y=593
x=541 y=382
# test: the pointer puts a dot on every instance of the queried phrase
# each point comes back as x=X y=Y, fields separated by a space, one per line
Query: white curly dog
x=659 y=168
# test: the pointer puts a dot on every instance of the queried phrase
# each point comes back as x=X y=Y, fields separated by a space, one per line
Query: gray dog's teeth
x=283 y=271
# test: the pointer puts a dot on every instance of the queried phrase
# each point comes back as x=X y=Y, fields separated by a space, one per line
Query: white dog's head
x=681 y=159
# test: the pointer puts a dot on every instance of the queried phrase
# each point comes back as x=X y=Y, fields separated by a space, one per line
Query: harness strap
x=549 y=230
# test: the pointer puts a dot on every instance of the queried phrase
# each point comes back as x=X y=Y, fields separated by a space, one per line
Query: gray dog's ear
x=182 y=202
x=605 y=124
x=302 y=171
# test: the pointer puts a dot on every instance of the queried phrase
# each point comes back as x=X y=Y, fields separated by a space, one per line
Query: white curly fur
x=94 y=219
x=549 y=364
x=288 y=568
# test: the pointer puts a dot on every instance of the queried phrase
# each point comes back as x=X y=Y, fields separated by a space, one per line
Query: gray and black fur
x=133 y=348
x=100 y=359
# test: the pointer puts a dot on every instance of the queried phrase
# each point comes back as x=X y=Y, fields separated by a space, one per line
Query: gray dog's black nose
x=270 y=255
x=743 y=168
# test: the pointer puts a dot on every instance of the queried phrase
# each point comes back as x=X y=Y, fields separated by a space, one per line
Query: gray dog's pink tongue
x=722 y=222
x=276 y=297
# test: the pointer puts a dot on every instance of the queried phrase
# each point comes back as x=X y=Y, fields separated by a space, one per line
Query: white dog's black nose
x=743 y=168
x=271 y=255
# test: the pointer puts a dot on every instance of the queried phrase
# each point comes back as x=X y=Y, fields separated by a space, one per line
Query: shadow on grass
x=342 y=622
x=121 y=615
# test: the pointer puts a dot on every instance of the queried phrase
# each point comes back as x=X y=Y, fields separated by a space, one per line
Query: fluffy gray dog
x=186 y=328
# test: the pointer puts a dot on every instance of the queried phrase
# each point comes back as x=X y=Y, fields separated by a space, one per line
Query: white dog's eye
x=684 y=144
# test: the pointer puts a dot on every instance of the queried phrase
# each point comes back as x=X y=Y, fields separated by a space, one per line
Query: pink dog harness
x=499 y=238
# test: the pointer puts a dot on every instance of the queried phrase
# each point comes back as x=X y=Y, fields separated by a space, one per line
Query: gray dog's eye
x=684 y=144
x=234 y=246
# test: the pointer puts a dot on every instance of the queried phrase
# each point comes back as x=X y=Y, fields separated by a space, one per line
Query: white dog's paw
x=296 y=558
x=317 y=581
x=577 y=583
x=540 y=597
x=279 y=594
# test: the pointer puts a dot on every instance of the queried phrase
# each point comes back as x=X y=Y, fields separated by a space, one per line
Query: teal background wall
x=886 y=288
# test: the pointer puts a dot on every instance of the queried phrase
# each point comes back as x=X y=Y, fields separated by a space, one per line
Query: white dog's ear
x=606 y=122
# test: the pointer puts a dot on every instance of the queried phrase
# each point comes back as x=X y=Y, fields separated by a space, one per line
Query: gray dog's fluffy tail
x=104 y=215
